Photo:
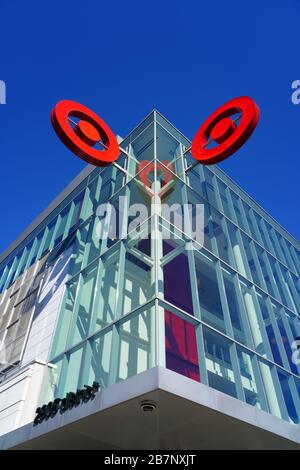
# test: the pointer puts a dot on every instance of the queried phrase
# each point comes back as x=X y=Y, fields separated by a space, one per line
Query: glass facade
x=224 y=314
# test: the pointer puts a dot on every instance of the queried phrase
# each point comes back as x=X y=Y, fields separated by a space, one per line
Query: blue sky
x=123 y=59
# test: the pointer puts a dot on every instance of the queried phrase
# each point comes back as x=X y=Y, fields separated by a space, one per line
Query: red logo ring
x=89 y=130
x=220 y=128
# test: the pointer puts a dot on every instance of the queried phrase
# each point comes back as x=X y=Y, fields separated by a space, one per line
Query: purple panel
x=177 y=287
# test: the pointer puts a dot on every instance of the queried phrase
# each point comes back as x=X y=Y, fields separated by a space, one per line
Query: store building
x=191 y=343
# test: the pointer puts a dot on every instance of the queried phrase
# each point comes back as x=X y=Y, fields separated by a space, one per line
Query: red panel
x=181 y=346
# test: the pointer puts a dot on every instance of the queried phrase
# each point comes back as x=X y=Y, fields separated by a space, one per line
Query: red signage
x=89 y=130
x=229 y=134
x=229 y=127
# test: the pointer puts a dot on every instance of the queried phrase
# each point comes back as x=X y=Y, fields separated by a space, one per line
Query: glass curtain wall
x=224 y=312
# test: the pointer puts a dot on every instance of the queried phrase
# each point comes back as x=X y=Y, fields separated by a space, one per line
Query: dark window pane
x=209 y=297
x=177 y=287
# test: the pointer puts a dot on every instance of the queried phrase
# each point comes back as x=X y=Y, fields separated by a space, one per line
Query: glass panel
x=137 y=283
x=279 y=313
x=177 y=286
x=135 y=345
x=63 y=217
x=143 y=145
x=224 y=198
x=93 y=241
x=268 y=229
x=291 y=298
x=106 y=191
x=166 y=147
x=263 y=235
x=5 y=275
x=237 y=316
x=23 y=260
x=181 y=346
x=275 y=237
x=270 y=382
x=275 y=273
x=194 y=199
x=288 y=398
x=170 y=128
x=84 y=306
x=287 y=255
x=194 y=179
x=249 y=380
x=209 y=295
x=12 y=271
x=49 y=235
x=65 y=318
x=35 y=249
x=98 y=359
x=270 y=330
x=237 y=210
x=253 y=268
x=77 y=204
x=137 y=131
x=237 y=249
x=269 y=286
x=79 y=249
x=219 y=363
x=72 y=369
x=90 y=205
x=106 y=293
x=248 y=215
x=208 y=187
x=221 y=238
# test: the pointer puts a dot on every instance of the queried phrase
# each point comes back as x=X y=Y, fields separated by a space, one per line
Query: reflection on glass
x=209 y=296
x=181 y=346
x=106 y=292
x=224 y=198
x=288 y=398
x=237 y=316
x=135 y=346
x=279 y=313
x=137 y=283
x=84 y=306
x=262 y=261
x=220 y=236
x=177 y=286
x=219 y=363
x=270 y=331
x=249 y=381
x=65 y=319
x=97 y=360
x=237 y=210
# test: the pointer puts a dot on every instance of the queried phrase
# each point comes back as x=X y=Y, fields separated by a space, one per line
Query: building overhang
x=188 y=415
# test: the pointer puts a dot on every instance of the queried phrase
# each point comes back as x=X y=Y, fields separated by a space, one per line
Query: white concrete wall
x=19 y=396
x=47 y=310
x=19 y=392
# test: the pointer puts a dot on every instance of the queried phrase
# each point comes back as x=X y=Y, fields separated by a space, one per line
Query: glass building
x=81 y=304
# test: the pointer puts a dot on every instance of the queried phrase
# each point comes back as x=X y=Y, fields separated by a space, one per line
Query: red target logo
x=81 y=129
x=229 y=133
x=89 y=137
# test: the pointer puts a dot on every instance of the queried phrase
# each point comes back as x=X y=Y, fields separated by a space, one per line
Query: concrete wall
x=47 y=310
x=19 y=396
x=19 y=392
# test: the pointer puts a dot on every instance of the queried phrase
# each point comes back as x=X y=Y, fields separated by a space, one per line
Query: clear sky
x=124 y=58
